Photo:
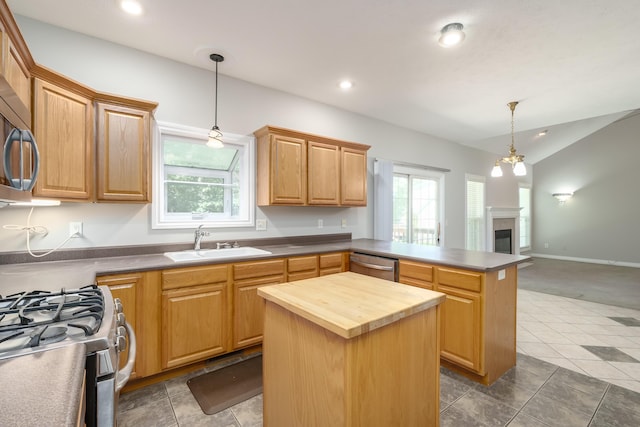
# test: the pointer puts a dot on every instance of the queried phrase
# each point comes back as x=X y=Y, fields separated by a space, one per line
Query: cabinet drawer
x=249 y=270
x=415 y=270
x=468 y=280
x=331 y=260
x=305 y=263
x=183 y=277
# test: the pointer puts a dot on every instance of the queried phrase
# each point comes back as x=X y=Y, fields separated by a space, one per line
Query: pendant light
x=215 y=136
x=516 y=160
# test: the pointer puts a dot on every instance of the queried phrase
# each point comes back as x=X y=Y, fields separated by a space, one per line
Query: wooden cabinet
x=140 y=297
x=323 y=184
x=298 y=169
x=112 y=166
x=332 y=263
x=478 y=317
x=248 y=307
x=15 y=77
x=123 y=153
x=354 y=177
x=63 y=128
x=302 y=267
x=194 y=314
x=416 y=274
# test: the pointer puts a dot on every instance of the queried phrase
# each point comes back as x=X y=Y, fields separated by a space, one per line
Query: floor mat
x=218 y=390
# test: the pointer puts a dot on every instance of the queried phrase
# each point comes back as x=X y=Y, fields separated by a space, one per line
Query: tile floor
x=578 y=365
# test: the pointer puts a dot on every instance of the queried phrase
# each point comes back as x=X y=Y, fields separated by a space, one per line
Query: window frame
x=528 y=228
x=483 y=223
x=159 y=218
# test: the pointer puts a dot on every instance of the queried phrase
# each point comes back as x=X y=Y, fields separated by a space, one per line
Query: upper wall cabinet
x=111 y=166
x=298 y=169
x=15 y=77
x=63 y=128
x=123 y=142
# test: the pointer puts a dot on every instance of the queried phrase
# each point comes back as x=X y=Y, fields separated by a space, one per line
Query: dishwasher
x=376 y=266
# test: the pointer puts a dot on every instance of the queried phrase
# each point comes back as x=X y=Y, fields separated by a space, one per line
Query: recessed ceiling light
x=132 y=7
x=451 y=35
x=543 y=133
x=346 y=84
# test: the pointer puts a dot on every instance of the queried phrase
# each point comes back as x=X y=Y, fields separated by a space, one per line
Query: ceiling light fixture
x=346 y=84
x=215 y=136
x=451 y=35
x=516 y=160
x=131 y=7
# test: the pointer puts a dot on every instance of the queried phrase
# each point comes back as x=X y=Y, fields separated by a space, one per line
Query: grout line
x=599 y=404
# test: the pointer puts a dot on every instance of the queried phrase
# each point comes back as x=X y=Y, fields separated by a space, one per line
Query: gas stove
x=34 y=321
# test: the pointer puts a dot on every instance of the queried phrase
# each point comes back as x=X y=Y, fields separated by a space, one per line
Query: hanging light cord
x=35 y=229
x=215 y=117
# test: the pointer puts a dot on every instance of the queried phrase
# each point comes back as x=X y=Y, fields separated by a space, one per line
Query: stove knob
x=121 y=343
x=118 y=305
x=120 y=319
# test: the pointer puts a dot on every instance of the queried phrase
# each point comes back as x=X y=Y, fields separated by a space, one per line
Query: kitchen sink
x=193 y=255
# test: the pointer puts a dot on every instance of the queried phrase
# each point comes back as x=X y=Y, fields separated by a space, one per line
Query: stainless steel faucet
x=200 y=233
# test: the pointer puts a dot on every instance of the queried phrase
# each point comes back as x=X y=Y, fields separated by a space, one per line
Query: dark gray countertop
x=43 y=388
x=74 y=273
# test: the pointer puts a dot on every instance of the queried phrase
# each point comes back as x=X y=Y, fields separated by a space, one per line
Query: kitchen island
x=348 y=349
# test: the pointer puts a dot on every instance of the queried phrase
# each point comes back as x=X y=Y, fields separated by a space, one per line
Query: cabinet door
x=323 y=180
x=194 y=324
x=17 y=77
x=354 y=177
x=288 y=170
x=461 y=328
x=126 y=288
x=248 y=307
x=63 y=128
x=332 y=263
x=124 y=160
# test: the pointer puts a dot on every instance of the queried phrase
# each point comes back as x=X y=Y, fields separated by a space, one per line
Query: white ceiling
x=572 y=64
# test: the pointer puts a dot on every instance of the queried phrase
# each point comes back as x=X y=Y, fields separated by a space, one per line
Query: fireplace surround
x=502 y=218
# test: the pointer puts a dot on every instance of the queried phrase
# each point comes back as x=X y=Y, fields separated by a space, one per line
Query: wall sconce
x=562 y=197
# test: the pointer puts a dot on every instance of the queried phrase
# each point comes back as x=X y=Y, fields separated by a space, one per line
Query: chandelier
x=516 y=160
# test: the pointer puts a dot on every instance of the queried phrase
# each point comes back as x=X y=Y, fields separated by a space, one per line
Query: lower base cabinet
x=194 y=314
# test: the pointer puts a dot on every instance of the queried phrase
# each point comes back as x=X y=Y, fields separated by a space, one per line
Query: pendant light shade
x=215 y=136
x=516 y=160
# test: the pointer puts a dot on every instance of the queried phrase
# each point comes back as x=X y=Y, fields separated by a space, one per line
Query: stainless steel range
x=34 y=321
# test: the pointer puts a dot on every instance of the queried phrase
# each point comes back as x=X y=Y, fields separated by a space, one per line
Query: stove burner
x=47 y=335
x=37 y=318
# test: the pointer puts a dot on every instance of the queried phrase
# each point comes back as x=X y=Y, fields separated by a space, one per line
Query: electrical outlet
x=261 y=224
x=546 y=246
x=75 y=229
x=344 y=222
x=320 y=223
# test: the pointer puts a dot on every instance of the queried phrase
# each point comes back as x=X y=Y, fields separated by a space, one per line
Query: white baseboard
x=588 y=260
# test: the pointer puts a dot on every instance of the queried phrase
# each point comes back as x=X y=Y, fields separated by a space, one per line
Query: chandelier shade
x=515 y=160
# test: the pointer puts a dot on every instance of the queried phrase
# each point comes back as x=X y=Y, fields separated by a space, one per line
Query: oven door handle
x=125 y=373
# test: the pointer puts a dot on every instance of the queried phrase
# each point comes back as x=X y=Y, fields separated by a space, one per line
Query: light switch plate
x=502 y=274
x=261 y=224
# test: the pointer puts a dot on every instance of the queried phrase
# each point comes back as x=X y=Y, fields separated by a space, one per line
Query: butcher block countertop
x=350 y=304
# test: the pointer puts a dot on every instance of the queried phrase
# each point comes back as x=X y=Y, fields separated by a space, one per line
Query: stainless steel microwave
x=19 y=165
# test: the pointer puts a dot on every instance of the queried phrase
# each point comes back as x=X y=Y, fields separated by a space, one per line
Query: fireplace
x=503 y=230
x=502 y=241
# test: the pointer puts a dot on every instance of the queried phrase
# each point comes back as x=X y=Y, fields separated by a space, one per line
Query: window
x=416 y=206
x=475 y=213
x=524 y=195
x=194 y=184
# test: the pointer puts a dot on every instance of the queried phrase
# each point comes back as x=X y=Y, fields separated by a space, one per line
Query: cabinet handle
x=373 y=266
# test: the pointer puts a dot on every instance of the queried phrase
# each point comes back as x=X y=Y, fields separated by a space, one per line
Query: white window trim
x=158 y=178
